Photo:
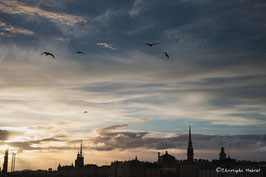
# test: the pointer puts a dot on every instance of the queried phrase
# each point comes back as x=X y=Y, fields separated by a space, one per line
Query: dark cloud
x=111 y=138
x=108 y=140
x=6 y=134
x=31 y=145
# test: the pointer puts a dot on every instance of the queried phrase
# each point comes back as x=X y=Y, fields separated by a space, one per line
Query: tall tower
x=5 y=165
x=222 y=154
x=13 y=162
x=79 y=162
x=190 y=153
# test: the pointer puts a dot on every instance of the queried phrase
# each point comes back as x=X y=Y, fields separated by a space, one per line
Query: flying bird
x=47 y=53
x=166 y=54
x=79 y=52
x=150 y=44
x=85 y=112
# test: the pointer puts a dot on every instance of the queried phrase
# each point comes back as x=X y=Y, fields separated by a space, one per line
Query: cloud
x=144 y=119
x=62 y=39
x=111 y=138
x=215 y=78
x=111 y=128
x=30 y=145
x=108 y=140
x=136 y=9
x=10 y=30
x=6 y=134
x=104 y=18
x=69 y=24
x=140 y=6
x=106 y=45
x=15 y=7
x=40 y=127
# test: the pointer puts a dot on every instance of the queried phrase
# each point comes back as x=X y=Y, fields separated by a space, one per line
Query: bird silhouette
x=166 y=54
x=47 y=53
x=79 y=52
x=85 y=112
x=150 y=44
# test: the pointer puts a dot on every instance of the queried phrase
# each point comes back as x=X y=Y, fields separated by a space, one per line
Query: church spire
x=190 y=153
x=189 y=140
x=79 y=162
x=81 y=149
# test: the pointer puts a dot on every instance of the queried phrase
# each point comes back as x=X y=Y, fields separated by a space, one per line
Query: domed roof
x=167 y=158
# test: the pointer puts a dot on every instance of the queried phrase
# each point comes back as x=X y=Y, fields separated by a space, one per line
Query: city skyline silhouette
x=127 y=77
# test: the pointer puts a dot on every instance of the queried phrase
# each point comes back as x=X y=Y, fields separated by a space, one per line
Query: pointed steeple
x=190 y=153
x=81 y=149
x=79 y=162
x=189 y=139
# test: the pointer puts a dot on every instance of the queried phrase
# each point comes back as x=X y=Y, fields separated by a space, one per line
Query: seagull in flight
x=47 y=53
x=79 y=52
x=85 y=112
x=166 y=54
x=150 y=44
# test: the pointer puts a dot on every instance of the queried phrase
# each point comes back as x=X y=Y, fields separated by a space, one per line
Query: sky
x=137 y=101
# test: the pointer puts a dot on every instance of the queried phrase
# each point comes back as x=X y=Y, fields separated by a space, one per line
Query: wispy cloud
x=62 y=39
x=103 y=18
x=15 y=7
x=106 y=45
x=140 y=6
x=137 y=7
x=6 y=30
x=69 y=24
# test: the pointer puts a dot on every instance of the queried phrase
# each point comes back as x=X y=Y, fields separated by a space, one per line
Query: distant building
x=85 y=171
x=222 y=154
x=79 y=162
x=135 y=168
x=167 y=166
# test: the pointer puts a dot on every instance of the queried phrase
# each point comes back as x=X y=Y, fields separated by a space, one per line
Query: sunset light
x=94 y=88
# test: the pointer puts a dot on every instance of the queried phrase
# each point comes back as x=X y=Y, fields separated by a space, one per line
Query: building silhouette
x=166 y=166
x=190 y=152
x=222 y=154
x=79 y=162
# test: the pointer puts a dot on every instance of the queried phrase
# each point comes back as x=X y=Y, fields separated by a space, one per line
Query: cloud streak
x=15 y=7
x=9 y=30
x=108 y=139
x=106 y=45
